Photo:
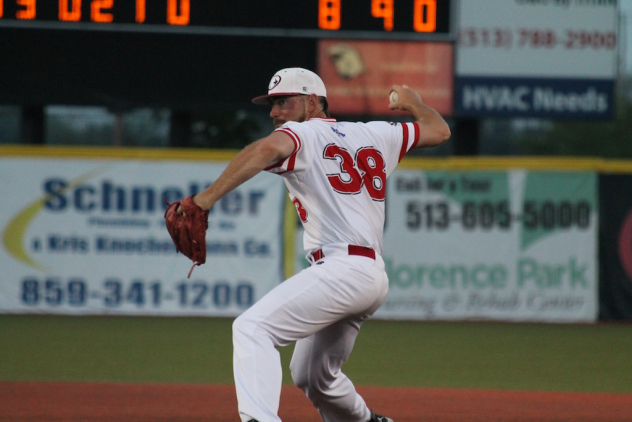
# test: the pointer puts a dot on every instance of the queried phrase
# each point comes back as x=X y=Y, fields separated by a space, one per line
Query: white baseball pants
x=322 y=309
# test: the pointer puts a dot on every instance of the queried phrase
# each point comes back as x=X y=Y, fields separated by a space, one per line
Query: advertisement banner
x=503 y=245
x=359 y=74
x=554 y=59
x=505 y=97
x=615 y=289
x=87 y=236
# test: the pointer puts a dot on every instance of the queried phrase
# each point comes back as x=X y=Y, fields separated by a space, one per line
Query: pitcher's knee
x=243 y=328
x=248 y=330
x=315 y=389
x=299 y=374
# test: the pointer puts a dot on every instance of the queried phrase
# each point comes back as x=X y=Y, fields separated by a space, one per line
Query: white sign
x=519 y=246
x=539 y=58
x=537 y=38
x=88 y=237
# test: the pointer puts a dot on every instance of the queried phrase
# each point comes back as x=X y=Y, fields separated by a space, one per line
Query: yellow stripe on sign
x=289 y=235
x=107 y=153
x=13 y=236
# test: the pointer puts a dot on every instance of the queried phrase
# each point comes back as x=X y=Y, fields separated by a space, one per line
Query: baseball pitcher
x=335 y=173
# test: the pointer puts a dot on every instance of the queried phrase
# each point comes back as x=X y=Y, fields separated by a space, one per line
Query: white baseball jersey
x=336 y=177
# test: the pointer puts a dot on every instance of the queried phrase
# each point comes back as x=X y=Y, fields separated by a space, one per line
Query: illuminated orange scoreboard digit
x=423 y=14
x=378 y=19
x=176 y=12
x=386 y=16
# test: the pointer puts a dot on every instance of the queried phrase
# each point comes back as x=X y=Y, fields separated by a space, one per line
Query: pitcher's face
x=288 y=109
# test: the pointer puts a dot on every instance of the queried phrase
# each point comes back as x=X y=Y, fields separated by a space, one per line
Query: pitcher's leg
x=304 y=304
x=257 y=371
x=295 y=309
x=316 y=370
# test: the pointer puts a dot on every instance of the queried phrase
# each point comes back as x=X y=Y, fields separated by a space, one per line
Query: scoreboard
x=381 y=19
x=185 y=54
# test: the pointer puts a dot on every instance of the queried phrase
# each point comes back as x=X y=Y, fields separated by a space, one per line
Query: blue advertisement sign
x=554 y=98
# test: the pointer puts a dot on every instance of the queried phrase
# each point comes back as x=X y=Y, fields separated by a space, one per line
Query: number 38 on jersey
x=365 y=170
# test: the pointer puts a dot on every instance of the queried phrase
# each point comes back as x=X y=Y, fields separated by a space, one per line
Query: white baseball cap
x=293 y=81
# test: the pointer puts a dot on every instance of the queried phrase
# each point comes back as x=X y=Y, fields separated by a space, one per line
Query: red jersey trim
x=417 y=133
x=291 y=159
x=404 y=149
x=406 y=138
x=297 y=141
x=294 y=136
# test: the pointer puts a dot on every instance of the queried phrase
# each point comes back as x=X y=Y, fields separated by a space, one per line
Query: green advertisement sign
x=508 y=245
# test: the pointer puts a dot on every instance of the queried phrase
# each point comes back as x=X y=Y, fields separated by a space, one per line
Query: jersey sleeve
x=298 y=160
x=289 y=162
x=408 y=138
x=398 y=139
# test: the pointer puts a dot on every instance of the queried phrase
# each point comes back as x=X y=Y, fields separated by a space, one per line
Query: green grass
x=543 y=357
x=591 y=358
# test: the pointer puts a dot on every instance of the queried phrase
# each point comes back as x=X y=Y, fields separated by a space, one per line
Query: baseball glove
x=188 y=230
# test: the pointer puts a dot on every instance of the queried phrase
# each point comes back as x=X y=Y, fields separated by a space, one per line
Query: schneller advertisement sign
x=87 y=236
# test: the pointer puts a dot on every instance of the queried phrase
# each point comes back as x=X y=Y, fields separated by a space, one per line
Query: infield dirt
x=120 y=402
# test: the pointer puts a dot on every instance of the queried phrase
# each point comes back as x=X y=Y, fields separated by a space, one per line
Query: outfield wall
x=501 y=239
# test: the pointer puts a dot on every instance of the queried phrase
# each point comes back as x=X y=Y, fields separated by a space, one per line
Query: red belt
x=353 y=250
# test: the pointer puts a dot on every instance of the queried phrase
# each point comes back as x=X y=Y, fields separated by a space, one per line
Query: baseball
x=393 y=97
